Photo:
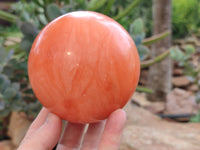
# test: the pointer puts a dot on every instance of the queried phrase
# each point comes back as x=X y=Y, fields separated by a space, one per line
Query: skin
x=45 y=133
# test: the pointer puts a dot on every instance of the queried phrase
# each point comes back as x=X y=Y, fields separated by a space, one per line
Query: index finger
x=113 y=130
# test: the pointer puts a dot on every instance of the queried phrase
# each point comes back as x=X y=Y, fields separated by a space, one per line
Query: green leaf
x=2 y=103
x=127 y=10
x=9 y=93
x=138 y=39
x=92 y=3
x=5 y=112
x=9 y=56
x=96 y=4
x=53 y=11
x=28 y=29
x=8 y=71
x=43 y=19
x=195 y=118
x=137 y=27
x=143 y=52
x=16 y=86
x=82 y=3
x=108 y=6
x=4 y=82
x=39 y=3
x=5 y=56
x=16 y=106
x=8 y=16
x=26 y=43
x=189 y=49
x=1 y=68
x=2 y=54
x=177 y=54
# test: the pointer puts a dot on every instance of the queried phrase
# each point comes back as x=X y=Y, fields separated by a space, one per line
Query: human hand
x=45 y=132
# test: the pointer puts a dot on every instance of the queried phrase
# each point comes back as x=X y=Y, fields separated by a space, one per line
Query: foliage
x=136 y=31
x=195 y=118
x=15 y=92
x=143 y=11
x=183 y=58
x=184 y=16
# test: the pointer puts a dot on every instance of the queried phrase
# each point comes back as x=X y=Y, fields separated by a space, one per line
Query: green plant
x=15 y=92
x=137 y=33
x=183 y=59
x=196 y=118
x=184 y=16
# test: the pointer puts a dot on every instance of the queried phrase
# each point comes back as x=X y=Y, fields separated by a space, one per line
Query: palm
x=45 y=132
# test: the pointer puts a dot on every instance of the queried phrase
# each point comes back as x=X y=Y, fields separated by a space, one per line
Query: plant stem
x=38 y=3
x=155 y=38
x=97 y=4
x=144 y=89
x=127 y=10
x=109 y=6
x=14 y=46
x=8 y=16
x=157 y=59
x=11 y=34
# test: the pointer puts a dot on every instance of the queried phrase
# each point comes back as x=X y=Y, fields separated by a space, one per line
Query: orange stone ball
x=83 y=66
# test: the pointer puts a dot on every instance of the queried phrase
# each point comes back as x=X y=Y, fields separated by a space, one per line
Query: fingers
x=113 y=130
x=72 y=137
x=92 y=137
x=49 y=133
x=46 y=136
x=45 y=132
x=39 y=121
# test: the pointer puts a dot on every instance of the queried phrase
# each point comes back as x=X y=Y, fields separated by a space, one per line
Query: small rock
x=179 y=41
x=195 y=60
x=14 y=39
x=193 y=88
x=145 y=131
x=139 y=115
x=181 y=81
x=18 y=126
x=198 y=43
x=181 y=102
x=150 y=138
x=140 y=99
x=6 y=145
x=191 y=40
x=182 y=47
x=178 y=72
x=156 y=107
x=8 y=43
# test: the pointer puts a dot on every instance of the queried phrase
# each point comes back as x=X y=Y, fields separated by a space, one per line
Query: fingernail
x=50 y=117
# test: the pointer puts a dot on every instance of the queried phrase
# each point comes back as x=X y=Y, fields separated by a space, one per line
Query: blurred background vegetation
x=22 y=20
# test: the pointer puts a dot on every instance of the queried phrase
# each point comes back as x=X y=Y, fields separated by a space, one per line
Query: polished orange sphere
x=83 y=66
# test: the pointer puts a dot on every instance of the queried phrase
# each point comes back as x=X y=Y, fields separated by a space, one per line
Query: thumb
x=46 y=137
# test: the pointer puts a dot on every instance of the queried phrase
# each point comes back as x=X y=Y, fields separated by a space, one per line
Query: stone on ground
x=145 y=131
